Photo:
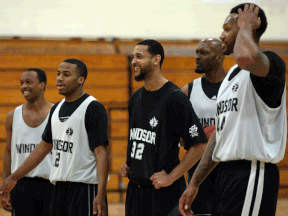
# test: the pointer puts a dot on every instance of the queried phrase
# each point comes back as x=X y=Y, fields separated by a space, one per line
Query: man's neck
x=37 y=104
x=216 y=76
x=155 y=81
x=74 y=96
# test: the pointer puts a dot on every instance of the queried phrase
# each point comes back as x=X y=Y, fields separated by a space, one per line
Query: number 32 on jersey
x=137 y=150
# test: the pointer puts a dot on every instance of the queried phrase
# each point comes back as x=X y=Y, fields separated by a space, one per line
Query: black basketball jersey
x=152 y=145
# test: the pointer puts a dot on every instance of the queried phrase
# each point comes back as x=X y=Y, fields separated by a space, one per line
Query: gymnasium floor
x=118 y=209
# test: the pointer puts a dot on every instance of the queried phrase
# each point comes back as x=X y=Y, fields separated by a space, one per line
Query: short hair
x=80 y=66
x=154 y=48
x=263 y=25
x=40 y=74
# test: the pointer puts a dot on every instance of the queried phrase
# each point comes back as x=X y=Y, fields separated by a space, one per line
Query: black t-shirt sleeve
x=96 y=124
x=190 y=86
x=129 y=148
x=47 y=134
x=183 y=121
x=270 y=88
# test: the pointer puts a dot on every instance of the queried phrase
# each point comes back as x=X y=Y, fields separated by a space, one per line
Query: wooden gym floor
x=119 y=209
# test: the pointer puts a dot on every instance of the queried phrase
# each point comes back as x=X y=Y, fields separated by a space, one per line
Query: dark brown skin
x=69 y=84
x=238 y=36
x=34 y=113
x=209 y=59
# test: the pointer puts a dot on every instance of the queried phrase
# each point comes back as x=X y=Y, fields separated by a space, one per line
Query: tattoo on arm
x=206 y=164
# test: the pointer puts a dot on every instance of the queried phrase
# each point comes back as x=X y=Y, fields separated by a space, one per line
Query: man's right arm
x=185 y=90
x=36 y=156
x=203 y=169
x=7 y=154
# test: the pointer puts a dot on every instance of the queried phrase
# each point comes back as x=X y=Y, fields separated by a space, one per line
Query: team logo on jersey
x=235 y=87
x=153 y=122
x=69 y=131
x=193 y=131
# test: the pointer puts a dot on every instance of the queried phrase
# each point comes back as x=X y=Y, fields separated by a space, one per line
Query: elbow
x=246 y=58
x=101 y=150
x=244 y=61
x=202 y=147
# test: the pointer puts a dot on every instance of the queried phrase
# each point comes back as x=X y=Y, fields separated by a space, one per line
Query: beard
x=200 y=70
x=227 y=52
x=230 y=49
x=140 y=77
x=143 y=73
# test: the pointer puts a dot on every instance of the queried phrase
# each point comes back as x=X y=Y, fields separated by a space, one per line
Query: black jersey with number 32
x=148 y=144
x=154 y=135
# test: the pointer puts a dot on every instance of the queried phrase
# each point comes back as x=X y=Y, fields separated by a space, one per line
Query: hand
x=99 y=206
x=249 y=17
x=161 y=179
x=124 y=170
x=186 y=200
x=7 y=205
x=5 y=188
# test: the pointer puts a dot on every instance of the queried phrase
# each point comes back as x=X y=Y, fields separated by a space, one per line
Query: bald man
x=202 y=93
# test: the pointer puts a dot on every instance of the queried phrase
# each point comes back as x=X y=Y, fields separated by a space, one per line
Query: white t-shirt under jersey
x=24 y=140
x=73 y=160
x=246 y=127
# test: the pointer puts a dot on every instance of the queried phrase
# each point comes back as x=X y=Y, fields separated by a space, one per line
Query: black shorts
x=146 y=200
x=73 y=199
x=31 y=196
x=202 y=203
x=246 y=188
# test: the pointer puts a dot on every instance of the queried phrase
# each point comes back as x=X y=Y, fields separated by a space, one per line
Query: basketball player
x=251 y=124
x=159 y=114
x=78 y=133
x=24 y=126
x=202 y=93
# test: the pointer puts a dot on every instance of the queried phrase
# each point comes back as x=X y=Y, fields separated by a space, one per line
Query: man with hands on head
x=251 y=124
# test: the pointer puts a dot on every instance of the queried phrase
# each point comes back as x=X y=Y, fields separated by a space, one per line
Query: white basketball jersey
x=73 y=160
x=24 y=140
x=204 y=107
x=246 y=127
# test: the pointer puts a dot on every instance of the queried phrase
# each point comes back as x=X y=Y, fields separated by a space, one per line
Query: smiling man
x=24 y=127
x=77 y=132
x=159 y=114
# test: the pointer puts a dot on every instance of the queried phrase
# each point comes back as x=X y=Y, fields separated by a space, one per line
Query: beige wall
x=161 y=19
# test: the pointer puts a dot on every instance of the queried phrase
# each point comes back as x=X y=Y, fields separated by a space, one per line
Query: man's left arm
x=99 y=203
x=97 y=129
x=192 y=156
x=247 y=52
x=187 y=125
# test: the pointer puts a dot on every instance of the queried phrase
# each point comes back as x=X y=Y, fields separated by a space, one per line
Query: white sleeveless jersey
x=24 y=140
x=204 y=107
x=246 y=127
x=73 y=160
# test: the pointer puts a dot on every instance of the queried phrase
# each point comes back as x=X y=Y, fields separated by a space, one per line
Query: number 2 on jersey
x=56 y=164
x=137 y=150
